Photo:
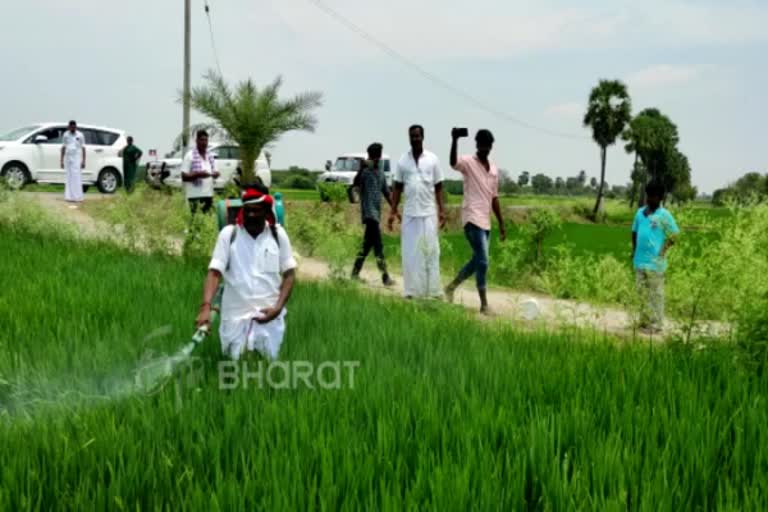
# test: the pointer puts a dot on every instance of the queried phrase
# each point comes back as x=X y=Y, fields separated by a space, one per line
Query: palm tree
x=608 y=112
x=254 y=118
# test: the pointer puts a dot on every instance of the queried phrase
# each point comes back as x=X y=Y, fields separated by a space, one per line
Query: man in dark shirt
x=373 y=184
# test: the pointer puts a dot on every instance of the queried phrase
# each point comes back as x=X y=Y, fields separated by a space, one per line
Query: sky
x=523 y=69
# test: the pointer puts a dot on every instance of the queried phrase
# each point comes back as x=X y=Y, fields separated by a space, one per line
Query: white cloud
x=567 y=110
x=662 y=75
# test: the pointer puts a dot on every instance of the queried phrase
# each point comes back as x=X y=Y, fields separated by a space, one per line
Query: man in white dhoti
x=73 y=163
x=255 y=259
x=419 y=176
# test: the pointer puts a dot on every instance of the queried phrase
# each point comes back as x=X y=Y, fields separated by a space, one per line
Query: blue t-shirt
x=652 y=232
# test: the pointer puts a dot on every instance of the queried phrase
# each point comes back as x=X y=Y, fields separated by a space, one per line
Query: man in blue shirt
x=653 y=232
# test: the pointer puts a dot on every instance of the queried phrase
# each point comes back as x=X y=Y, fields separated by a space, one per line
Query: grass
x=444 y=413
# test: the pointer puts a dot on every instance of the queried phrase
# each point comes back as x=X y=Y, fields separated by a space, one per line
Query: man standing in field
x=654 y=231
x=131 y=155
x=73 y=163
x=419 y=176
x=255 y=259
x=373 y=184
x=198 y=170
x=481 y=195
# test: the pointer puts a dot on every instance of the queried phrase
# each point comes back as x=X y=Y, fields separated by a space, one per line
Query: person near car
x=372 y=184
x=131 y=155
x=255 y=260
x=198 y=170
x=481 y=196
x=419 y=176
x=73 y=163
x=654 y=231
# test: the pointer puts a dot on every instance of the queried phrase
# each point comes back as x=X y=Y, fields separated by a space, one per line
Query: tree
x=507 y=184
x=559 y=184
x=524 y=179
x=541 y=184
x=582 y=179
x=652 y=137
x=593 y=182
x=608 y=113
x=572 y=185
x=253 y=117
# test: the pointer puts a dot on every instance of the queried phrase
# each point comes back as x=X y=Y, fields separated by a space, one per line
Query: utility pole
x=187 y=65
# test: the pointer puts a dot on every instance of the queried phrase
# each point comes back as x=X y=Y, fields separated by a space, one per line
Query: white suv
x=33 y=154
x=345 y=169
x=168 y=170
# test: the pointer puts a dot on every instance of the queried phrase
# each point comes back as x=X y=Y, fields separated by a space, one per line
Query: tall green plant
x=254 y=117
x=608 y=112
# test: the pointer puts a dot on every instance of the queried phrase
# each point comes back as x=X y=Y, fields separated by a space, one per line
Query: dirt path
x=533 y=311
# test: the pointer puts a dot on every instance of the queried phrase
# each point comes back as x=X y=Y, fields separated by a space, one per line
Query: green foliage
x=335 y=193
x=323 y=231
x=294 y=178
x=444 y=413
x=729 y=272
x=253 y=117
x=453 y=187
x=747 y=189
x=541 y=223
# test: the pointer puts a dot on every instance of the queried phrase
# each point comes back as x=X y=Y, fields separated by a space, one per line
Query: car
x=167 y=171
x=32 y=154
x=344 y=171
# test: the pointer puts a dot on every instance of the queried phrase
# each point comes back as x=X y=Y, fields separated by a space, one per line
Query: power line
x=436 y=80
x=213 y=41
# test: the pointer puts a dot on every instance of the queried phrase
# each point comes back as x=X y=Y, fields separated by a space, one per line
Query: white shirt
x=73 y=144
x=204 y=186
x=419 y=181
x=255 y=270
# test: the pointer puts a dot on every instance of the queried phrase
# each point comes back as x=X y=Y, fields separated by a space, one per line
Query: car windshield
x=347 y=164
x=18 y=133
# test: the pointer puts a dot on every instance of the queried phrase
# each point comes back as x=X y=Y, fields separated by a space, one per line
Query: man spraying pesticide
x=250 y=279
x=255 y=260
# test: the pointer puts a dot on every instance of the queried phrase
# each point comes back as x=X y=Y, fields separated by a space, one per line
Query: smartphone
x=462 y=132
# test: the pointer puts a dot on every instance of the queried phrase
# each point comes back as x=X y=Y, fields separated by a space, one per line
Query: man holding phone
x=481 y=195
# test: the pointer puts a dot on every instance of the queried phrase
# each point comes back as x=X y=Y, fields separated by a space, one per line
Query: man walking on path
x=419 y=176
x=73 y=163
x=255 y=259
x=373 y=184
x=481 y=195
x=131 y=155
x=198 y=170
x=654 y=231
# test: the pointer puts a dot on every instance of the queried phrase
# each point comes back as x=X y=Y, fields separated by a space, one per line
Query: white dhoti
x=421 y=257
x=238 y=336
x=73 y=187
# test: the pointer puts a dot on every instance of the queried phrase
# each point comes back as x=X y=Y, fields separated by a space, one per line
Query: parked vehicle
x=32 y=154
x=344 y=171
x=168 y=170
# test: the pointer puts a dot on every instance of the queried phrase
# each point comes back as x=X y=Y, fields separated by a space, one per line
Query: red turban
x=253 y=196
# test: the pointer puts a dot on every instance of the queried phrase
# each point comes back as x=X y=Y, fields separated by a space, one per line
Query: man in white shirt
x=255 y=259
x=418 y=174
x=73 y=163
x=198 y=170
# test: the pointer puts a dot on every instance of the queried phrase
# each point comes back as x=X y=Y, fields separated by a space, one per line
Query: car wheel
x=16 y=175
x=354 y=194
x=109 y=181
x=85 y=188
